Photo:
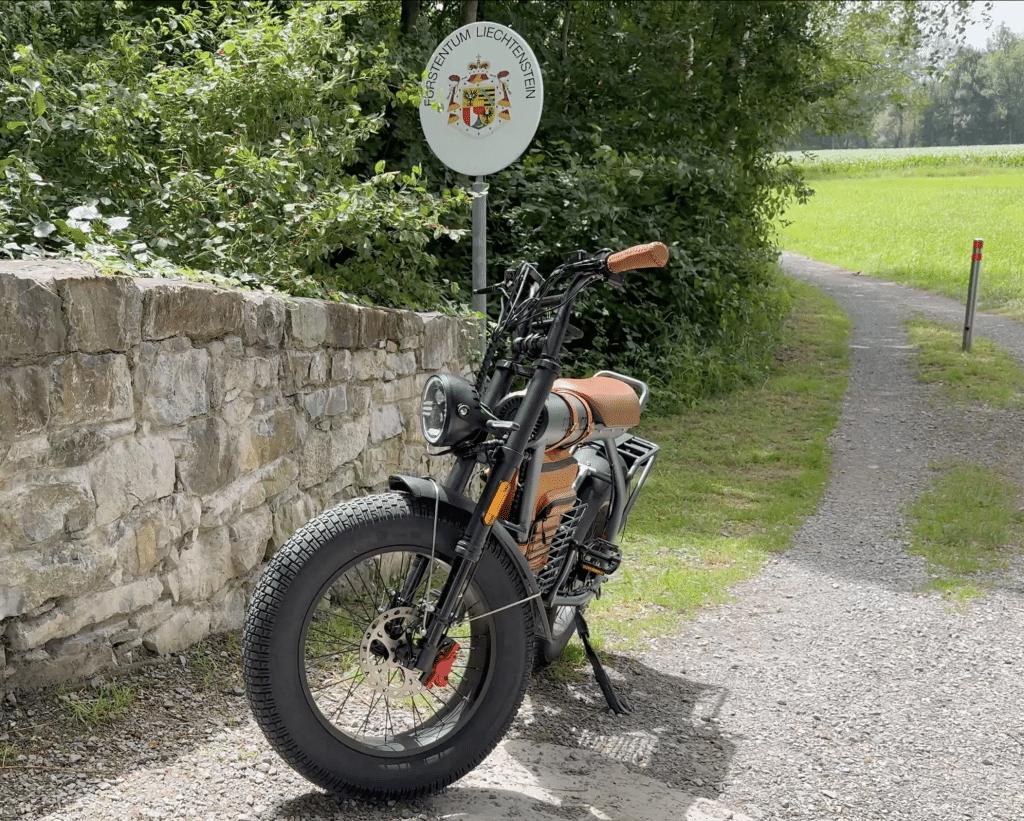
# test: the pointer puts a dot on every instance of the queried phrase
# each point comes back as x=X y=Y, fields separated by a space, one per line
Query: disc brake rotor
x=378 y=659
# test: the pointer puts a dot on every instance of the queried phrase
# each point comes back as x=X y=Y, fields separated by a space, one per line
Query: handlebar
x=651 y=255
x=535 y=309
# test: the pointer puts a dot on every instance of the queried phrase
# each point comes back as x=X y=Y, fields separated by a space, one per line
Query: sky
x=1010 y=12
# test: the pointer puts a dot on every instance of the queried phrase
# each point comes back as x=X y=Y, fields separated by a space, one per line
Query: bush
x=703 y=324
x=219 y=140
x=276 y=144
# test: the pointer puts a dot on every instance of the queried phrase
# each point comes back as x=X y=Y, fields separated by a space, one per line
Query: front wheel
x=327 y=637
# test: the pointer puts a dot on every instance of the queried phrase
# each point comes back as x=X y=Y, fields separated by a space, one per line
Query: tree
x=1005 y=74
x=277 y=143
x=880 y=57
x=961 y=111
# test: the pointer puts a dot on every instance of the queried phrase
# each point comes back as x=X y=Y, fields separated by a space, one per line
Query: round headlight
x=449 y=410
x=434 y=410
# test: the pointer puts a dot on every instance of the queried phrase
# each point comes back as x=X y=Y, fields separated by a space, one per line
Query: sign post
x=972 y=294
x=480 y=251
x=482 y=100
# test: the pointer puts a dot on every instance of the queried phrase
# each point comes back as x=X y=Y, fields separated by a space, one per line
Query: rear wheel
x=563 y=627
x=327 y=642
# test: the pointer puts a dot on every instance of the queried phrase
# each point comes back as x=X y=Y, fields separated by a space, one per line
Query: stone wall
x=160 y=439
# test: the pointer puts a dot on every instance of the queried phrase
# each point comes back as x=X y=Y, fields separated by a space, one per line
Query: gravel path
x=830 y=687
x=845 y=692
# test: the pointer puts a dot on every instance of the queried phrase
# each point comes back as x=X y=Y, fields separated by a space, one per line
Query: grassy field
x=968 y=522
x=912 y=217
x=957 y=160
x=735 y=478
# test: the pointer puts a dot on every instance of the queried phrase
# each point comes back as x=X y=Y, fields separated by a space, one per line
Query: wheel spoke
x=367 y=612
x=356 y=636
x=329 y=684
x=385 y=593
x=332 y=639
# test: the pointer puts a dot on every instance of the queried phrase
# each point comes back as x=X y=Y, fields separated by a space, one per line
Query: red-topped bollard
x=972 y=293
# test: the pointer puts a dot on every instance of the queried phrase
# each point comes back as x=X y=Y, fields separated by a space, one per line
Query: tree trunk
x=732 y=81
x=469 y=9
x=565 y=29
x=410 y=13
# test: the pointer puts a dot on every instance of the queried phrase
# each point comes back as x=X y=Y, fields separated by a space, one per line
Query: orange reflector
x=491 y=516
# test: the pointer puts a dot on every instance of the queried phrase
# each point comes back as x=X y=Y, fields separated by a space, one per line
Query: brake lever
x=490 y=289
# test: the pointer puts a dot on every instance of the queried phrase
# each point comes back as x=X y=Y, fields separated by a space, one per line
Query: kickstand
x=616 y=703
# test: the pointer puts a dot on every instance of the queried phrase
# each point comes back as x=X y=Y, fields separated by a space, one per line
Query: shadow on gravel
x=189 y=731
x=567 y=756
x=672 y=735
x=56 y=749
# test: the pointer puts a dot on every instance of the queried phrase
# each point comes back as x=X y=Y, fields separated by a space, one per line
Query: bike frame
x=510 y=454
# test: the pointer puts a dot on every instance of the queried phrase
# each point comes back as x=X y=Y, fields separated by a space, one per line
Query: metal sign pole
x=480 y=255
x=481 y=102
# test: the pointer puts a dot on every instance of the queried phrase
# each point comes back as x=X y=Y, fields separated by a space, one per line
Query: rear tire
x=563 y=628
x=322 y=652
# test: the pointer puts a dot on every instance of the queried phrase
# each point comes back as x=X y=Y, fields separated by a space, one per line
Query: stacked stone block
x=160 y=439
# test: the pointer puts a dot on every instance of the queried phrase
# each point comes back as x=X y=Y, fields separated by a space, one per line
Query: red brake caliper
x=442 y=664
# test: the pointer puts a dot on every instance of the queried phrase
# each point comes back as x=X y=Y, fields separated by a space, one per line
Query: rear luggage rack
x=634 y=451
x=638 y=455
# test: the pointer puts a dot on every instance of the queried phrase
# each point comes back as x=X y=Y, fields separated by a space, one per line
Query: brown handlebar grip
x=651 y=255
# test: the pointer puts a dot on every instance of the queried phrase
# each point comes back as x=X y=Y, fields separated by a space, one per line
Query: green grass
x=735 y=478
x=919 y=231
x=987 y=374
x=966 y=525
x=8 y=752
x=92 y=709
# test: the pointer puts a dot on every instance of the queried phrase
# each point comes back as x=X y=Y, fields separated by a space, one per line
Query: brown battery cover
x=614 y=403
x=555 y=495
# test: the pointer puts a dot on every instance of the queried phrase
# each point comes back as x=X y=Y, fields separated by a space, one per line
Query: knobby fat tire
x=272 y=659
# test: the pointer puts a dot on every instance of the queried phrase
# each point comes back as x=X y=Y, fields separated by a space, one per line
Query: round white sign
x=482 y=98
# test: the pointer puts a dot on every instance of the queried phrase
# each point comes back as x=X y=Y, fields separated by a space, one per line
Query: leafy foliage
x=219 y=139
x=277 y=144
x=700 y=326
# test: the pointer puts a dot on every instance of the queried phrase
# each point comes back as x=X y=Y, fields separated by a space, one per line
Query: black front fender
x=463 y=506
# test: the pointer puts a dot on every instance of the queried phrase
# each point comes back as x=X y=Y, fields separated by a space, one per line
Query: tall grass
x=939 y=160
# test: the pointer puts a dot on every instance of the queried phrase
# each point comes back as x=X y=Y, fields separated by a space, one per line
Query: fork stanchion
x=972 y=293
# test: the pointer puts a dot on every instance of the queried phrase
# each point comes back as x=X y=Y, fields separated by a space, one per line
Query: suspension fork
x=413 y=578
x=471 y=546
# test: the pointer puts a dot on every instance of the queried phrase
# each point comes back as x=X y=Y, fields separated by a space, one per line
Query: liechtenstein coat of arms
x=466 y=106
x=479 y=102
